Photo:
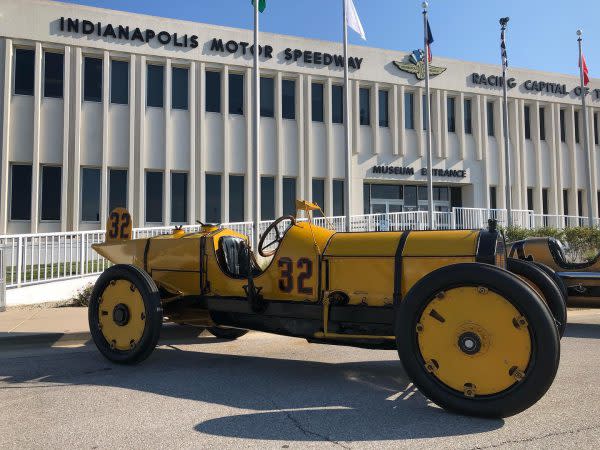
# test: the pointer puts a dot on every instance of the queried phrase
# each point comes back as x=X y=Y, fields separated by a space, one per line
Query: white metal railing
x=37 y=258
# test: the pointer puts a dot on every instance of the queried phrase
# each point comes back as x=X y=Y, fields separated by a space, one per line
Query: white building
x=102 y=108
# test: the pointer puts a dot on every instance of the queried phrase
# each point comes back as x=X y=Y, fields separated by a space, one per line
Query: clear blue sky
x=541 y=32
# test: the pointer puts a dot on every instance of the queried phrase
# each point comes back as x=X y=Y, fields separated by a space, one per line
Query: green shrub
x=82 y=296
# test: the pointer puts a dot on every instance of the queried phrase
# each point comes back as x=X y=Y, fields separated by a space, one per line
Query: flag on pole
x=262 y=4
x=352 y=19
x=586 y=74
x=429 y=39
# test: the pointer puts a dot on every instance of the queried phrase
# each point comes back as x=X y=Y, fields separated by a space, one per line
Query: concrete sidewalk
x=31 y=325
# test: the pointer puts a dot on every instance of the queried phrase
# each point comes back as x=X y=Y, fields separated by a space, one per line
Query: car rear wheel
x=550 y=291
x=125 y=314
x=477 y=340
x=229 y=334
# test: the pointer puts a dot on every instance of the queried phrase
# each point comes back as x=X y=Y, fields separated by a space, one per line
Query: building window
x=155 y=86
x=51 y=192
x=576 y=121
x=288 y=99
x=318 y=194
x=542 y=115
x=598 y=202
x=267 y=97
x=425 y=115
x=367 y=198
x=154 y=197
x=563 y=133
x=384 y=115
x=468 y=116
x=117 y=190
x=20 y=192
x=53 y=74
x=365 y=106
x=267 y=198
x=236 y=94
x=213 y=91
x=90 y=194
x=580 y=203
x=451 y=114
x=337 y=103
x=317 y=102
x=526 y=113
x=179 y=88
x=596 y=128
x=566 y=202
x=409 y=108
x=490 y=118
x=179 y=197
x=213 y=198
x=24 y=71
x=119 y=82
x=530 y=199
x=338 y=197
x=493 y=198
x=236 y=198
x=92 y=79
x=289 y=196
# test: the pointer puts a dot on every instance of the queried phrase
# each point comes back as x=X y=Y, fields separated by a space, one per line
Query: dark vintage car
x=581 y=281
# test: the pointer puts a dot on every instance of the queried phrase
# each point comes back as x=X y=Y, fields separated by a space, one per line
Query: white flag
x=352 y=19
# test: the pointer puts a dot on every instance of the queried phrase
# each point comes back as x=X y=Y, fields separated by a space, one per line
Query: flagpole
x=428 y=119
x=348 y=155
x=585 y=132
x=256 y=136
x=508 y=181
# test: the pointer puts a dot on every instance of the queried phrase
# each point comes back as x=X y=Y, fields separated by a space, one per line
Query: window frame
x=62 y=77
x=14 y=72
x=148 y=105
x=284 y=81
x=367 y=116
x=187 y=87
x=10 y=196
x=99 y=169
x=229 y=96
x=384 y=93
x=120 y=169
x=162 y=206
x=186 y=208
x=41 y=196
x=451 y=114
x=83 y=76
x=111 y=83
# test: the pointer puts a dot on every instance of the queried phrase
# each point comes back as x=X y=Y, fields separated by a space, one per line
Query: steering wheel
x=262 y=247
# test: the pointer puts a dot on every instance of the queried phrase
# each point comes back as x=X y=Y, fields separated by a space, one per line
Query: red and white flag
x=586 y=74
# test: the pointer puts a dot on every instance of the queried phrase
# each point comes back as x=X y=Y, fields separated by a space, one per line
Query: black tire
x=557 y=279
x=545 y=346
x=229 y=334
x=153 y=314
x=553 y=296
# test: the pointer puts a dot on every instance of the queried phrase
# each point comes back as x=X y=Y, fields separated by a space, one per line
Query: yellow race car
x=473 y=337
x=580 y=281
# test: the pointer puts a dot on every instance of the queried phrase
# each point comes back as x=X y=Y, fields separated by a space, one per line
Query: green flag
x=262 y=4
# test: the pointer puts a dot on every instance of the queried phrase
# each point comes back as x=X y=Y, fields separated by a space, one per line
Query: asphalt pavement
x=266 y=391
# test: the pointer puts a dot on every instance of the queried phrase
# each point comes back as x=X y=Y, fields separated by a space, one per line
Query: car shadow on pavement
x=583 y=330
x=289 y=399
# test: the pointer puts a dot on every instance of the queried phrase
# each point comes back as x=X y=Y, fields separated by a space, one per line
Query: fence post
x=2 y=280
x=83 y=254
x=19 y=260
